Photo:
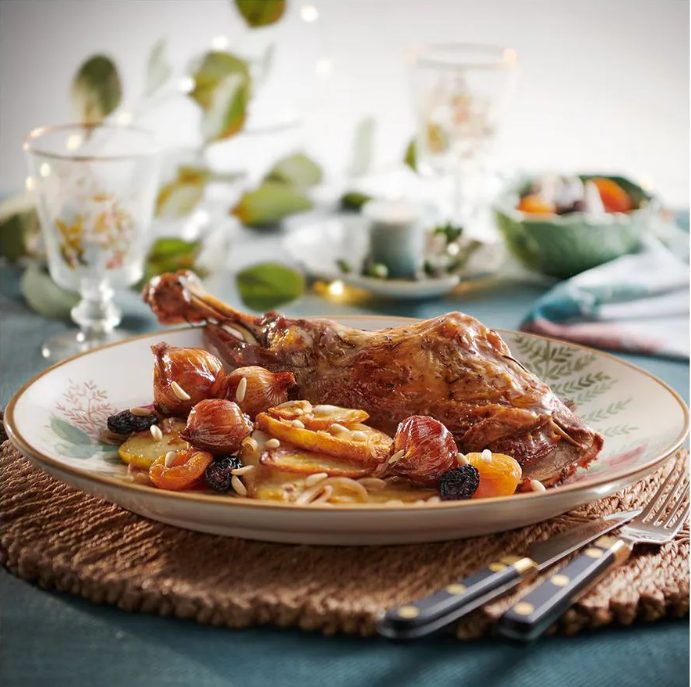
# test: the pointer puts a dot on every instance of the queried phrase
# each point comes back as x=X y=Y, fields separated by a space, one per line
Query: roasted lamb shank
x=451 y=367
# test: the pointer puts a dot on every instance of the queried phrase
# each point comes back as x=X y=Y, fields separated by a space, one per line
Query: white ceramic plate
x=319 y=245
x=55 y=419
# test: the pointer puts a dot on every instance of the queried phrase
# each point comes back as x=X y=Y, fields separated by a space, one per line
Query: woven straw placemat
x=63 y=539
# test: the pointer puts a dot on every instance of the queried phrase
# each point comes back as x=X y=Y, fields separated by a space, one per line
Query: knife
x=431 y=613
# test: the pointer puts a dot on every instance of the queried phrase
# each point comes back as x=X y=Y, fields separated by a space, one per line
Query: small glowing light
x=324 y=67
x=44 y=170
x=125 y=117
x=220 y=43
x=336 y=288
x=201 y=217
x=29 y=184
x=453 y=249
x=510 y=55
x=309 y=13
x=186 y=84
x=74 y=141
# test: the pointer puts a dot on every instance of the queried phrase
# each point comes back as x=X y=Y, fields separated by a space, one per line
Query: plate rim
x=25 y=447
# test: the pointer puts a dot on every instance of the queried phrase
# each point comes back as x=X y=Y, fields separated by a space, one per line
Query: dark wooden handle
x=426 y=615
x=533 y=613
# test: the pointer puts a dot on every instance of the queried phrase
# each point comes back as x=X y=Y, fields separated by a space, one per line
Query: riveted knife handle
x=534 y=612
x=424 y=616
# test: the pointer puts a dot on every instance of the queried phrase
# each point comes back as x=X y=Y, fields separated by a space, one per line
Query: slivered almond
x=315 y=478
x=156 y=432
x=180 y=392
x=170 y=457
x=241 y=390
x=396 y=457
x=336 y=428
x=243 y=470
x=238 y=486
x=272 y=443
x=140 y=411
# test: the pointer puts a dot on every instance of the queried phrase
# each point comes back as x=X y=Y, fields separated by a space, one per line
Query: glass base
x=73 y=342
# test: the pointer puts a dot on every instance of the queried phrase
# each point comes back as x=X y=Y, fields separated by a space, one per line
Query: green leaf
x=169 y=254
x=181 y=195
x=158 y=69
x=260 y=12
x=68 y=432
x=226 y=114
x=268 y=285
x=19 y=227
x=45 y=296
x=270 y=203
x=296 y=169
x=363 y=140
x=354 y=200
x=222 y=87
x=96 y=89
x=410 y=156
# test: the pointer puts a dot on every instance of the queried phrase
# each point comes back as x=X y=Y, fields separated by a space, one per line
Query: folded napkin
x=637 y=303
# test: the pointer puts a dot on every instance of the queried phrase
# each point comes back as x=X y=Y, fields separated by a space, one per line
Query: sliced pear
x=319 y=416
x=291 y=459
x=358 y=443
x=142 y=449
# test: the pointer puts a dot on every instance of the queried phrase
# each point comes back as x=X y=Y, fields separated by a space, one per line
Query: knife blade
x=431 y=613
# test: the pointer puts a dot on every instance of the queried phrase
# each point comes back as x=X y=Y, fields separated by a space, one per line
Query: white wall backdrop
x=604 y=83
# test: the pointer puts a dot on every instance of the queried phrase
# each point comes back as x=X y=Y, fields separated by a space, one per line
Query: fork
x=658 y=523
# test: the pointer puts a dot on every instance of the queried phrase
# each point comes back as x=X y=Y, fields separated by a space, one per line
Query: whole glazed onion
x=423 y=450
x=261 y=390
x=217 y=425
x=183 y=377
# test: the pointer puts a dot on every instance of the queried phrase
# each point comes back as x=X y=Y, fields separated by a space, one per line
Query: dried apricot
x=533 y=204
x=179 y=470
x=499 y=473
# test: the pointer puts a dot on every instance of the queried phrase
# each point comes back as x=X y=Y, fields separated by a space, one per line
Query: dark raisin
x=459 y=483
x=218 y=474
x=126 y=423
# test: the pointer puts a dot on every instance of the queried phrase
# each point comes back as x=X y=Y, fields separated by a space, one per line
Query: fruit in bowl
x=561 y=226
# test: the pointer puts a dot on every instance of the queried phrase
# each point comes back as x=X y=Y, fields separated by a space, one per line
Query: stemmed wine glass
x=95 y=187
x=460 y=92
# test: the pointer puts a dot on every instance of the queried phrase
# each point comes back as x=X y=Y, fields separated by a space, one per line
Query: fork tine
x=680 y=486
x=679 y=523
x=678 y=504
x=654 y=501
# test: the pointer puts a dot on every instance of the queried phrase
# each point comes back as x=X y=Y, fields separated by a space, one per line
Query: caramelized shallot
x=256 y=389
x=217 y=425
x=183 y=377
x=423 y=449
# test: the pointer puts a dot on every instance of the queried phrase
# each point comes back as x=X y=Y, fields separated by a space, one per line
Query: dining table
x=52 y=638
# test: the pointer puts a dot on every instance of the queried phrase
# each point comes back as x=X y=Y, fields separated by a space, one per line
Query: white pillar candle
x=397 y=235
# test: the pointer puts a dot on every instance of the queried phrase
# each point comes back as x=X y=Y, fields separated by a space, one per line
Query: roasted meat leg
x=451 y=367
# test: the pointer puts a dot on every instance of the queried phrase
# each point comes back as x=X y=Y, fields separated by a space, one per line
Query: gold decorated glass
x=460 y=92
x=95 y=187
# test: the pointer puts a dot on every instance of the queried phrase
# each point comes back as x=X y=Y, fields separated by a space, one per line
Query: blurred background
x=603 y=86
x=389 y=155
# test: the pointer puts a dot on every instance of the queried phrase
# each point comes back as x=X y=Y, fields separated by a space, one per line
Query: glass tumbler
x=95 y=187
x=460 y=92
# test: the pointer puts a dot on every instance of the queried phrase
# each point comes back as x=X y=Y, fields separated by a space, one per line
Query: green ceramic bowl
x=565 y=245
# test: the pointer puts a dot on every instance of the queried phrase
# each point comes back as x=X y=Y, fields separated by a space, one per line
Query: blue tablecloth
x=54 y=639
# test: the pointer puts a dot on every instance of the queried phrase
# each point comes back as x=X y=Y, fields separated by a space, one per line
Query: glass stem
x=96 y=314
